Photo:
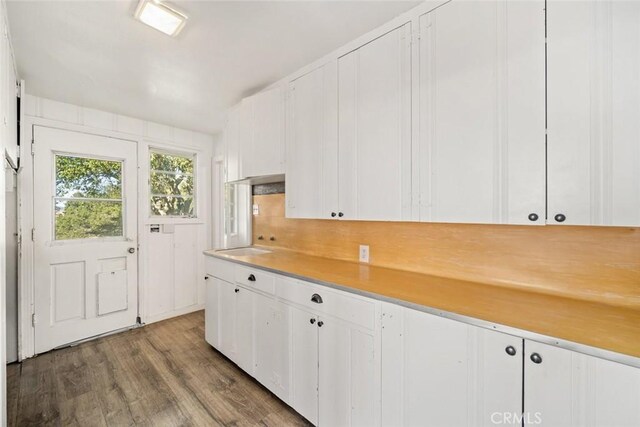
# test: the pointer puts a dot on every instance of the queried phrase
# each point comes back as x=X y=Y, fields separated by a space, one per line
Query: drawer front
x=334 y=303
x=218 y=268
x=262 y=281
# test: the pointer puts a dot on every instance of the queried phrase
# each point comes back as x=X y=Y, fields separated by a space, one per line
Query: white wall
x=171 y=270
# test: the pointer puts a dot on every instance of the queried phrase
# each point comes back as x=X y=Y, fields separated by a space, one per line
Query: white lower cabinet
x=439 y=372
x=345 y=360
x=570 y=389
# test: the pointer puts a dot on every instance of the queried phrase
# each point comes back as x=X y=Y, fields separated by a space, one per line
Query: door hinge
x=34 y=319
x=33 y=234
x=32 y=147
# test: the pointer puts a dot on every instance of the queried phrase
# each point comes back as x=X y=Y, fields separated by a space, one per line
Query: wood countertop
x=602 y=321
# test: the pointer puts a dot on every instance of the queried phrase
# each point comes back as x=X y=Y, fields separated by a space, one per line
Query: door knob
x=312 y=320
x=560 y=217
x=251 y=278
x=131 y=250
x=320 y=323
x=333 y=214
x=511 y=350
x=536 y=358
x=533 y=217
x=236 y=290
x=340 y=214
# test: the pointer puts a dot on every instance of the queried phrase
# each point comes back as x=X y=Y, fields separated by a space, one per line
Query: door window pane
x=88 y=198
x=171 y=184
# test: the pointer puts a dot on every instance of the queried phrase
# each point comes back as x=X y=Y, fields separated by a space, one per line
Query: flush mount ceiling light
x=160 y=16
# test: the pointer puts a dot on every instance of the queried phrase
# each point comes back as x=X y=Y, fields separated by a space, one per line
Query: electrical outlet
x=256 y=209
x=364 y=253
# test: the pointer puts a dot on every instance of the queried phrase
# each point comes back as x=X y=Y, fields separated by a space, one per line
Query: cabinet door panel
x=267 y=149
x=347 y=376
x=211 y=312
x=573 y=389
x=304 y=364
x=244 y=330
x=593 y=110
x=374 y=98
x=232 y=145
x=312 y=144
x=482 y=112
x=227 y=329
x=272 y=345
x=437 y=371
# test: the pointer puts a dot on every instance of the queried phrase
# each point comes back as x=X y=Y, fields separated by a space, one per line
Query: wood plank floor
x=163 y=374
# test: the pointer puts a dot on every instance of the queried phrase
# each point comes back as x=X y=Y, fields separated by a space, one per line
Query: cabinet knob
x=312 y=320
x=533 y=217
x=560 y=217
x=316 y=298
x=320 y=323
x=251 y=278
x=131 y=250
x=340 y=214
x=536 y=358
x=236 y=290
x=511 y=350
x=333 y=214
x=272 y=238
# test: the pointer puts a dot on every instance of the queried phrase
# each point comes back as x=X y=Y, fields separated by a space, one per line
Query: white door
x=85 y=236
x=347 y=372
x=312 y=144
x=593 y=108
x=440 y=372
x=374 y=131
x=569 y=389
x=482 y=113
x=304 y=364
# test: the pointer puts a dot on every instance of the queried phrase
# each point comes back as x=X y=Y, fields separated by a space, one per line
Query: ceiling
x=94 y=54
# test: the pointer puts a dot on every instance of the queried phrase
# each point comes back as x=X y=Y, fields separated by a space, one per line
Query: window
x=172 y=184
x=88 y=198
x=231 y=209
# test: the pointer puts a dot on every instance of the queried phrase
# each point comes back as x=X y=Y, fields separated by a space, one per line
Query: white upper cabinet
x=232 y=145
x=262 y=132
x=565 y=388
x=594 y=112
x=374 y=129
x=481 y=151
x=312 y=144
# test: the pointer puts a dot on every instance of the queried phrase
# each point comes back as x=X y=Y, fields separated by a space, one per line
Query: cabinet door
x=264 y=151
x=437 y=371
x=211 y=311
x=245 y=137
x=304 y=363
x=374 y=128
x=347 y=383
x=312 y=144
x=272 y=345
x=232 y=146
x=244 y=329
x=482 y=113
x=227 y=319
x=572 y=389
x=593 y=109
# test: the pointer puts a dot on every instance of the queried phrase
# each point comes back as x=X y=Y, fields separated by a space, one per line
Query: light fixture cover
x=160 y=16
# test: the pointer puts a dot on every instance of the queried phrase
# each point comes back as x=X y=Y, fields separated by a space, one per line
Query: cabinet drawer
x=254 y=278
x=218 y=268
x=335 y=303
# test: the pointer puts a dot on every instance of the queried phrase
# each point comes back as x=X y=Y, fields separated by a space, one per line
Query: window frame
x=54 y=197
x=194 y=175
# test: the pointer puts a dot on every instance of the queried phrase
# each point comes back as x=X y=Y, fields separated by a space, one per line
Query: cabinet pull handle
x=511 y=350
x=251 y=278
x=533 y=217
x=316 y=298
x=560 y=217
x=312 y=320
x=536 y=358
x=320 y=323
x=236 y=290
